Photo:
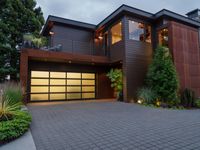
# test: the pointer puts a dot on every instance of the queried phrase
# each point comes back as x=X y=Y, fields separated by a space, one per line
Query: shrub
x=115 y=75
x=147 y=95
x=13 y=91
x=197 y=103
x=7 y=108
x=162 y=76
x=14 y=128
x=188 y=98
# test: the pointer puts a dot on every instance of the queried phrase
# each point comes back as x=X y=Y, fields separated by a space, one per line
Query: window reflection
x=116 y=32
x=139 y=31
x=163 y=37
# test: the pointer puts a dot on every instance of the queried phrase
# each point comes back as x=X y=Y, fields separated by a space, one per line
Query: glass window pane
x=74 y=96
x=136 y=31
x=73 y=89
x=148 y=34
x=37 y=97
x=57 y=74
x=73 y=75
x=42 y=74
x=88 y=95
x=39 y=81
x=163 y=37
x=57 y=82
x=116 y=32
x=88 y=82
x=39 y=89
x=73 y=82
x=57 y=88
x=88 y=88
x=88 y=75
x=57 y=96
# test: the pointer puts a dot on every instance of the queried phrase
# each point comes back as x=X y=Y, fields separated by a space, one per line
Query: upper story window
x=163 y=37
x=116 y=32
x=139 y=31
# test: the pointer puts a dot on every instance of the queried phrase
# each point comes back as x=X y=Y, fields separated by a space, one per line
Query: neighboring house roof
x=118 y=12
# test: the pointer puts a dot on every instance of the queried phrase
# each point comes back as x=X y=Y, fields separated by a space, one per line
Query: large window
x=139 y=31
x=163 y=37
x=61 y=85
x=116 y=32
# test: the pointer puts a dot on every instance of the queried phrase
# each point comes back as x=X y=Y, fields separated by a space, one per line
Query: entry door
x=47 y=86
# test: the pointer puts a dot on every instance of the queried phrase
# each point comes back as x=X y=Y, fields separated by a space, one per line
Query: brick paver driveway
x=113 y=125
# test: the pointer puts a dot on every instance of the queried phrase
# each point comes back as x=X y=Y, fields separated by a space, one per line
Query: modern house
x=82 y=54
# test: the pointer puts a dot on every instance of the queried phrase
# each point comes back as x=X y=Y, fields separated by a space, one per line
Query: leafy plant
x=197 y=103
x=115 y=75
x=147 y=95
x=162 y=76
x=188 y=98
x=10 y=100
x=35 y=42
x=13 y=92
x=14 y=128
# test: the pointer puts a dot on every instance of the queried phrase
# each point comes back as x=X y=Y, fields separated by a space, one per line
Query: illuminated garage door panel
x=47 y=86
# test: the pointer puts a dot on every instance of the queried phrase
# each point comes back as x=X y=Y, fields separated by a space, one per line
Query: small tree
x=162 y=76
x=115 y=75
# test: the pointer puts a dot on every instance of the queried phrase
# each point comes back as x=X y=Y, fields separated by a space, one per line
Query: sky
x=94 y=11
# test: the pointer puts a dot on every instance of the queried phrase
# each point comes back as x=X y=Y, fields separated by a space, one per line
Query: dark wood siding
x=73 y=40
x=117 y=51
x=184 y=42
x=137 y=57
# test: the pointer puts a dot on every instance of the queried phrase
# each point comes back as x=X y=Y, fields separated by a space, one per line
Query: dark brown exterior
x=83 y=49
x=73 y=40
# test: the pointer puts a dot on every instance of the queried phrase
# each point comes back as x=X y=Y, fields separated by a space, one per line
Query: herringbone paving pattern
x=113 y=126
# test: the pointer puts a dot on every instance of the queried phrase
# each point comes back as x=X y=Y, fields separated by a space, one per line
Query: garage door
x=47 y=86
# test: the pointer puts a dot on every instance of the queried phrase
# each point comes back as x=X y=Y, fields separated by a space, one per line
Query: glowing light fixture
x=51 y=33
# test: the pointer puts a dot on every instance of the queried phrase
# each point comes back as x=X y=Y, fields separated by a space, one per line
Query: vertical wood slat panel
x=186 y=52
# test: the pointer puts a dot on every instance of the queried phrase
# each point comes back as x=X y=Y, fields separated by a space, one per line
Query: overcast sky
x=94 y=11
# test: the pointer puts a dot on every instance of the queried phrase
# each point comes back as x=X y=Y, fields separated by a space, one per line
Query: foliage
x=13 y=91
x=34 y=41
x=162 y=76
x=17 y=17
x=16 y=127
x=10 y=100
x=147 y=95
x=197 y=103
x=188 y=98
x=115 y=75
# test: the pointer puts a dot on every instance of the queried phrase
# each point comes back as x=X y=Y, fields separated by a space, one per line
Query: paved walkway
x=113 y=126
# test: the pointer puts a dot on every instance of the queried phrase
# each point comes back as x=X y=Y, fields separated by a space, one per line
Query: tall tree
x=17 y=17
x=162 y=76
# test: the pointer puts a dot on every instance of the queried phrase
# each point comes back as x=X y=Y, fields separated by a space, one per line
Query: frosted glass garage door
x=47 y=86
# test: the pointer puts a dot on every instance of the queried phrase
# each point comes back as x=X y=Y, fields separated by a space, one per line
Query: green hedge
x=14 y=128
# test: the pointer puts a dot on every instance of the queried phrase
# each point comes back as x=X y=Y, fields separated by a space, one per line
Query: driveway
x=113 y=126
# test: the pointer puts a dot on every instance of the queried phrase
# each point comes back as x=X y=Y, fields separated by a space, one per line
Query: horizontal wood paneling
x=117 y=51
x=73 y=40
x=138 y=56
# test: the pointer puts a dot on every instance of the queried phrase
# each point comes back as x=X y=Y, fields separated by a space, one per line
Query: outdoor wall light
x=51 y=33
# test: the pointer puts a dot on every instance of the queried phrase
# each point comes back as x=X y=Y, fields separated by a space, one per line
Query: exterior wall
x=186 y=53
x=117 y=51
x=137 y=57
x=73 y=40
x=62 y=61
